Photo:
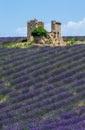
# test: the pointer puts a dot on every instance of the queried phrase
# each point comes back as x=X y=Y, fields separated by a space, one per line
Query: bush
x=71 y=42
x=39 y=31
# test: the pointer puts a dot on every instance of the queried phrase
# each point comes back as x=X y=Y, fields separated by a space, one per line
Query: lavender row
x=13 y=59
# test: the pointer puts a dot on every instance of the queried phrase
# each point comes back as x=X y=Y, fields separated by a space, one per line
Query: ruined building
x=54 y=35
x=32 y=25
x=56 y=30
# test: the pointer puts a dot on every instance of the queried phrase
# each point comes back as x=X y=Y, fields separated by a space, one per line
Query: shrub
x=39 y=31
x=71 y=42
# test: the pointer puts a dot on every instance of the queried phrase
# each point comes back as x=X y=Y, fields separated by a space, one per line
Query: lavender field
x=11 y=39
x=42 y=88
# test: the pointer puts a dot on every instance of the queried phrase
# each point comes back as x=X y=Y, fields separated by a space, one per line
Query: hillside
x=42 y=88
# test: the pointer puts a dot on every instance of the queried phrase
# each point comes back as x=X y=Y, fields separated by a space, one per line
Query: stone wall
x=32 y=25
x=54 y=35
x=40 y=24
x=56 y=30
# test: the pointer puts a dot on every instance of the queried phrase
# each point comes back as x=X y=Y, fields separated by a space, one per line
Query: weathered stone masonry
x=56 y=30
x=55 y=34
x=31 y=25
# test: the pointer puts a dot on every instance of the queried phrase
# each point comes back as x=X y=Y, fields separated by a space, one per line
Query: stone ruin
x=53 y=37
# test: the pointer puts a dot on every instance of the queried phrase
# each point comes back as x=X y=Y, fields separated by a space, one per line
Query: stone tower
x=56 y=29
x=32 y=25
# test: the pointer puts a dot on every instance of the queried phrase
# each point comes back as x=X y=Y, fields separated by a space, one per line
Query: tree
x=39 y=31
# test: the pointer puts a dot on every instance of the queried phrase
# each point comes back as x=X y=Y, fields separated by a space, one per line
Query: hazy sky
x=14 y=15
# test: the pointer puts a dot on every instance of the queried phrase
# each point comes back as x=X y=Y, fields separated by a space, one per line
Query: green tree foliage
x=39 y=31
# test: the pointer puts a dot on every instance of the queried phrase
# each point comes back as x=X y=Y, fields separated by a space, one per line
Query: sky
x=14 y=15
